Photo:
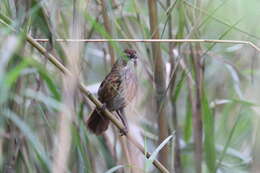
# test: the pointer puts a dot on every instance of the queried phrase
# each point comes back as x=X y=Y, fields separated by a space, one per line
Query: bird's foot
x=124 y=131
x=103 y=107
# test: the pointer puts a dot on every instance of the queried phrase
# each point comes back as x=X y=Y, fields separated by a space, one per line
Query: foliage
x=32 y=95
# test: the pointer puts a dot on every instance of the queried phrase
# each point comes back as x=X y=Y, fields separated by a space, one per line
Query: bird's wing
x=110 y=87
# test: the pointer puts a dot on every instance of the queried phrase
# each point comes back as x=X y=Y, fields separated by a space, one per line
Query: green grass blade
x=209 y=140
x=188 y=122
x=114 y=169
x=12 y=76
x=157 y=150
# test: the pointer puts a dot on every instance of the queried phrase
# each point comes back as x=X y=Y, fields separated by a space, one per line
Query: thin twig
x=156 y=40
x=209 y=14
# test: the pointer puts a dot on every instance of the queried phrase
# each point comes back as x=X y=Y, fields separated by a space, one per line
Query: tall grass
x=209 y=92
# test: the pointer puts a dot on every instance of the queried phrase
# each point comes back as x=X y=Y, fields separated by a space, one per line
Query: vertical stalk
x=196 y=107
x=127 y=154
x=159 y=77
x=177 y=150
x=13 y=144
x=198 y=66
x=256 y=149
x=107 y=26
x=70 y=85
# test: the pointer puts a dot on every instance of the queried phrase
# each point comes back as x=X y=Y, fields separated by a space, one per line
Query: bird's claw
x=123 y=132
x=103 y=107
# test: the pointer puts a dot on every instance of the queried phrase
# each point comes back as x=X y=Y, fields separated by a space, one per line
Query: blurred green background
x=219 y=82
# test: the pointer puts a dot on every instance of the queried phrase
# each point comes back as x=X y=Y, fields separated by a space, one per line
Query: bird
x=116 y=91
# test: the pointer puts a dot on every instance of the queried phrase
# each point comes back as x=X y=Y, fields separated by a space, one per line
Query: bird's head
x=129 y=57
x=131 y=54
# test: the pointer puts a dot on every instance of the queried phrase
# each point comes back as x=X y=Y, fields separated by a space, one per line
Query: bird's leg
x=121 y=115
x=102 y=109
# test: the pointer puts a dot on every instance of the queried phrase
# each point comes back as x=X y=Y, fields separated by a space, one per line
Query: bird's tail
x=97 y=123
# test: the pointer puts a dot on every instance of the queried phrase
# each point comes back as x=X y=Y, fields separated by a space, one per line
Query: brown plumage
x=116 y=91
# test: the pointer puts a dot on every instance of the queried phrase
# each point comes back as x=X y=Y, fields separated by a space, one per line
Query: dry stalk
x=126 y=150
x=159 y=79
x=251 y=44
x=107 y=26
x=69 y=88
x=173 y=73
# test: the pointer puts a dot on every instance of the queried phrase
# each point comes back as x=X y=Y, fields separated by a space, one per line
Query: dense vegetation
x=197 y=102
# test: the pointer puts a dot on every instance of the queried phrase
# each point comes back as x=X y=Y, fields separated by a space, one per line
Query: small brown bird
x=115 y=92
